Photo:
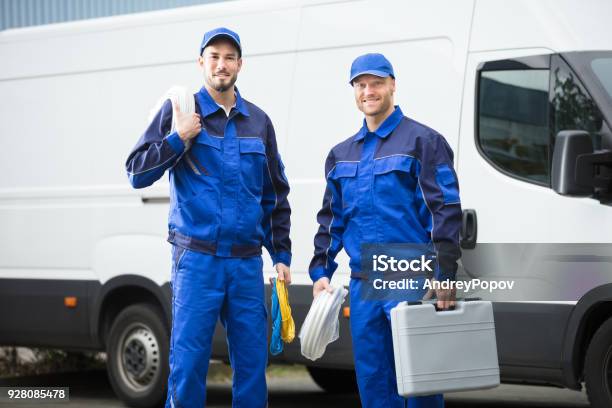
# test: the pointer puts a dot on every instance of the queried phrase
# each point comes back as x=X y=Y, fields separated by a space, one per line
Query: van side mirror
x=570 y=144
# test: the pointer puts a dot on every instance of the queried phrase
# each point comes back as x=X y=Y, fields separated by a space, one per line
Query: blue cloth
x=221 y=32
x=276 y=342
x=373 y=64
x=206 y=288
x=228 y=193
x=393 y=185
x=373 y=353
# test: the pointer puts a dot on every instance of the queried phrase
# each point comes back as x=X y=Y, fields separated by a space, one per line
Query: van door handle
x=155 y=200
x=469 y=229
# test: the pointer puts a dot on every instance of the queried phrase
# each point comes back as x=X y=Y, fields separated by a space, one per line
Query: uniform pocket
x=199 y=214
x=395 y=179
x=204 y=159
x=445 y=177
x=345 y=174
x=199 y=170
x=249 y=224
x=393 y=163
x=252 y=165
x=208 y=140
x=177 y=256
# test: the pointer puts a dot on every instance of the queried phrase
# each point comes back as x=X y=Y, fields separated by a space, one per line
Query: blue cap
x=374 y=64
x=221 y=32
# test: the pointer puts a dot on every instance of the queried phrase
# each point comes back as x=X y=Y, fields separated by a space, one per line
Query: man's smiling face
x=221 y=63
x=373 y=94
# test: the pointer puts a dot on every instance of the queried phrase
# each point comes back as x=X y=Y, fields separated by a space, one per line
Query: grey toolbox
x=444 y=351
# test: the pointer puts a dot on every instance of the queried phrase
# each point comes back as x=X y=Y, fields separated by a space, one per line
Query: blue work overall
x=228 y=197
x=393 y=185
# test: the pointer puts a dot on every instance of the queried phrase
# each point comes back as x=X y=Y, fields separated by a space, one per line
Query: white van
x=83 y=259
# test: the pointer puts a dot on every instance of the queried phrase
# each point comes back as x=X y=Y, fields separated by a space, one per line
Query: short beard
x=384 y=108
x=219 y=87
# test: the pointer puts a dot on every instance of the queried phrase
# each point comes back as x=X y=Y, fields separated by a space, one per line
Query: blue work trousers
x=373 y=353
x=206 y=288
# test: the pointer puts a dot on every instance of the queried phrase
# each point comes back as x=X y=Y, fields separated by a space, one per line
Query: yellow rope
x=288 y=326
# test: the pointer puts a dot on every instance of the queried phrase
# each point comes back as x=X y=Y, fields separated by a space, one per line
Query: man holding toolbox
x=391 y=182
x=228 y=196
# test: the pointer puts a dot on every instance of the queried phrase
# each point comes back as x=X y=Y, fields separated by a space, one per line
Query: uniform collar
x=209 y=106
x=385 y=128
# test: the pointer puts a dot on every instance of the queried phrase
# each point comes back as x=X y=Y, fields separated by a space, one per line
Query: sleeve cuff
x=283 y=257
x=439 y=276
x=176 y=143
x=318 y=273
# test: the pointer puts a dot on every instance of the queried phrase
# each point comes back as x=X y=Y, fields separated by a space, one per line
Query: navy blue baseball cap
x=221 y=32
x=374 y=64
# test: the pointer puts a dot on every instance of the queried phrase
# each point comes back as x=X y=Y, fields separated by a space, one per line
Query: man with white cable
x=391 y=182
x=228 y=197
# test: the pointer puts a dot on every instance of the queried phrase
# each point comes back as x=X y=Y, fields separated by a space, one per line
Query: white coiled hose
x=321 y=325
x=180 y=97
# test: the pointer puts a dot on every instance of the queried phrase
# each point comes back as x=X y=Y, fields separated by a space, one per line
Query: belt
x=210 y=247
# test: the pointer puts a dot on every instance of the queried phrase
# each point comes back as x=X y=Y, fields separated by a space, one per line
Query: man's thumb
x=175 y=108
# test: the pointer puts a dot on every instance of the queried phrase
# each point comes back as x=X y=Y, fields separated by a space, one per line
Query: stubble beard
x=219 y=86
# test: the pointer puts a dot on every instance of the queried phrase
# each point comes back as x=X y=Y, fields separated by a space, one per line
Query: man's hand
x=188 y=125
x=445 y=297
x=283 y=273
x=321 y=285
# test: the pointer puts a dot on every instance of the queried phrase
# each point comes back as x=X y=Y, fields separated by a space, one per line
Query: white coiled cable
x=180 y=97
x=321 y=325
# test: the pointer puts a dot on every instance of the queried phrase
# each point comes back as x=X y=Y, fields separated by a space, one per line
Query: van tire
x=137 y=356
x=334 y=381
x=598 y=367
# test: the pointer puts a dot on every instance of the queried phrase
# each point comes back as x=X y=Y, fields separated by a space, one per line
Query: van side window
x=513 y=122
x=573 y=107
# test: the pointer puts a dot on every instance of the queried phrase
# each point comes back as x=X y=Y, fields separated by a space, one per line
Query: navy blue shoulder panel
x=254 y=125
x=347 y=150
x=410 y=138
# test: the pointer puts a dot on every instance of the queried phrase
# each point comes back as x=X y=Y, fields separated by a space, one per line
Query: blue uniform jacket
x=394 y=185
x=228 y=192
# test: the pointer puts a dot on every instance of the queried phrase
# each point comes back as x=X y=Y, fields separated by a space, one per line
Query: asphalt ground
x=289 y=387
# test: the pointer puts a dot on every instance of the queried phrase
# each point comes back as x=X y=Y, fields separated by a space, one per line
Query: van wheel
x=137 y=356
x=334 y=381
x=598 y=367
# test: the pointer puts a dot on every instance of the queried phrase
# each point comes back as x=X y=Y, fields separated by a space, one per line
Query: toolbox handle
x=434 y=303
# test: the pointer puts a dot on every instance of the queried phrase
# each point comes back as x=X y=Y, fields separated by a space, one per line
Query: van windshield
x=602 y=68
x=595 y=70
